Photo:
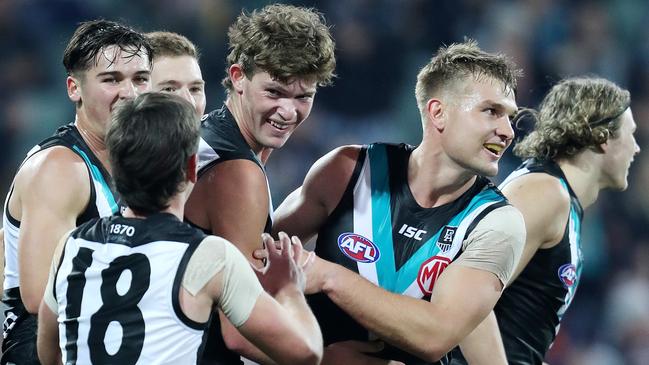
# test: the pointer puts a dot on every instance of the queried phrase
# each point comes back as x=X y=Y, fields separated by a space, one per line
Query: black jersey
x=530 y=309
x=379 y=231
x=221 y=140
x=19 y=328
x=117 y=292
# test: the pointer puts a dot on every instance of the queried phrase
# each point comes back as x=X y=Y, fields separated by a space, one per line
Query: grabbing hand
x=281 y=269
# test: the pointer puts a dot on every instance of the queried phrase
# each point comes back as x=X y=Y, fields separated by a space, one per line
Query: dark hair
x=150 y=141
x=459 y=61
x=284 y=40
x=576 y=114
x=172 y=45
x=92 y=37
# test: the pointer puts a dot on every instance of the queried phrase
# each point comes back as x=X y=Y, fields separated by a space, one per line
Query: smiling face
x=477 y=129
x=270 y=110
x=619 y=153
x=116 y=76
x=180 y=75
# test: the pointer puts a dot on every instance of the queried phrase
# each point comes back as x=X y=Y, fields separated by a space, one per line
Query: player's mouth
x=495 y=148
x=280 y=126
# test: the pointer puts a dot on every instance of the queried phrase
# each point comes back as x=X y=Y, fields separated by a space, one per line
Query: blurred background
x=381 y=44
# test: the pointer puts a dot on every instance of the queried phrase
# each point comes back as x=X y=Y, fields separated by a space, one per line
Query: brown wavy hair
x=459 y=61
x=576 y=114
x=284 y=40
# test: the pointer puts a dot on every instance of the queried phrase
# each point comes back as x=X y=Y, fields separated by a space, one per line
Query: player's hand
x=303 y=257
x=355 y=352
x=281 y=270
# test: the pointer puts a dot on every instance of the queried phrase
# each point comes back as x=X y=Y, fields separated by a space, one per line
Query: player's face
x=181 y=76
x=619 y=154
x=478 y=128
x=273 y=110
x=115 y=77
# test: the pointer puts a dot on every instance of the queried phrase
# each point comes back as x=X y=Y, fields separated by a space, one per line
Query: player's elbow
x=307 y=354
x=432 y=351
x=31 y=301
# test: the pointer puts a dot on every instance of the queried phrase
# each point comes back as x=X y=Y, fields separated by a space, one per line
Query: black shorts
x=19 y=347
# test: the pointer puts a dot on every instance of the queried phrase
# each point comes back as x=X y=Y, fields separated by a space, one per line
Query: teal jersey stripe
x=96 y=174
x=388 y=277
x=382 y=215
x=407 y=274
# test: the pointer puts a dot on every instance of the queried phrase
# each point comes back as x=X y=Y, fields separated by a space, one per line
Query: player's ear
x=74 y=88
x=435 y=113
x=236 y=74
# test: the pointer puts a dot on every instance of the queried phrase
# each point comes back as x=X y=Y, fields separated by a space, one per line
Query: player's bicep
x=238 y=204
x=305 y=209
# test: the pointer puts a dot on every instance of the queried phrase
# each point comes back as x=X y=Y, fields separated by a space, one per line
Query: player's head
x=466 y=98
x=152 y=144
x=176 y=69
x=106 y=62
x=278 y=56
x=585 y=114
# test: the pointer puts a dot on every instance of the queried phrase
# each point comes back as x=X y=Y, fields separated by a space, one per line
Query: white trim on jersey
x=363 y=216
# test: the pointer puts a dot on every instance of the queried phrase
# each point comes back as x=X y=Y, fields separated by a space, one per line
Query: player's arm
x=430 y=329
x=234 y=194
x=282 y=325
x=53 y=189
x=2 y=260
x=305 y=209
x=47 y=340
x=484 y=345
x=545 y=220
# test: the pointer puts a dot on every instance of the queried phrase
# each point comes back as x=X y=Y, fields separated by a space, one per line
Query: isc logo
x=412 y=232
x=358 y=248
x=429 y=271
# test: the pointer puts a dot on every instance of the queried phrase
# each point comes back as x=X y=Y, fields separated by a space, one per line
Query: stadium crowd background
x=380 y=46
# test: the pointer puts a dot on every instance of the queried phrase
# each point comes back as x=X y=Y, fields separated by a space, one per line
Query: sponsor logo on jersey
x=567 y=275
x=358 y=248
x=445 y=240
x=429 y=271
x=412 y=232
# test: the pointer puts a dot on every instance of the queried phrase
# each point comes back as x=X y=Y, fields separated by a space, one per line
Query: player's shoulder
x=538 y=191
x=55 y=166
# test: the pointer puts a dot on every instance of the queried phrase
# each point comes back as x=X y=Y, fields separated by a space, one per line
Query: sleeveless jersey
x=221 y=140
x=102 y=202
x=530 y=309
x=386 y=237
x=117 y=289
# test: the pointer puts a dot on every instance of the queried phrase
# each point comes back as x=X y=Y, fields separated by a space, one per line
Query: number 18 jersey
x=117 y=292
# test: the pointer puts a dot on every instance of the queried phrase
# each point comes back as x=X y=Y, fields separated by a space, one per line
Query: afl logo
x=358 y=248
x=567 y=275
x=429 y=271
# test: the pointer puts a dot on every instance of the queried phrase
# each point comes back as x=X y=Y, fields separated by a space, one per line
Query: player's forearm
x=484 y=346
x=293 y=301
x=408 y=323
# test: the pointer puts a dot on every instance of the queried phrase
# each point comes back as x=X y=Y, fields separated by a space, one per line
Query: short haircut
x=92 y=37
x=576 y=114
x=150 y=141
x=284 y=40
x=458 y=62
x=169 y=44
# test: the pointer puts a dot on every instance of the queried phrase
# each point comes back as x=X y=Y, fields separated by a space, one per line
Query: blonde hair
x=576 y=114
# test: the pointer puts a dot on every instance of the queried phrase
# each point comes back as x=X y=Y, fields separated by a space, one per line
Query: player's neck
x=175 y=208
x=233 y=103
x=583 y=176
x=94 y=139
x=432 y=184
